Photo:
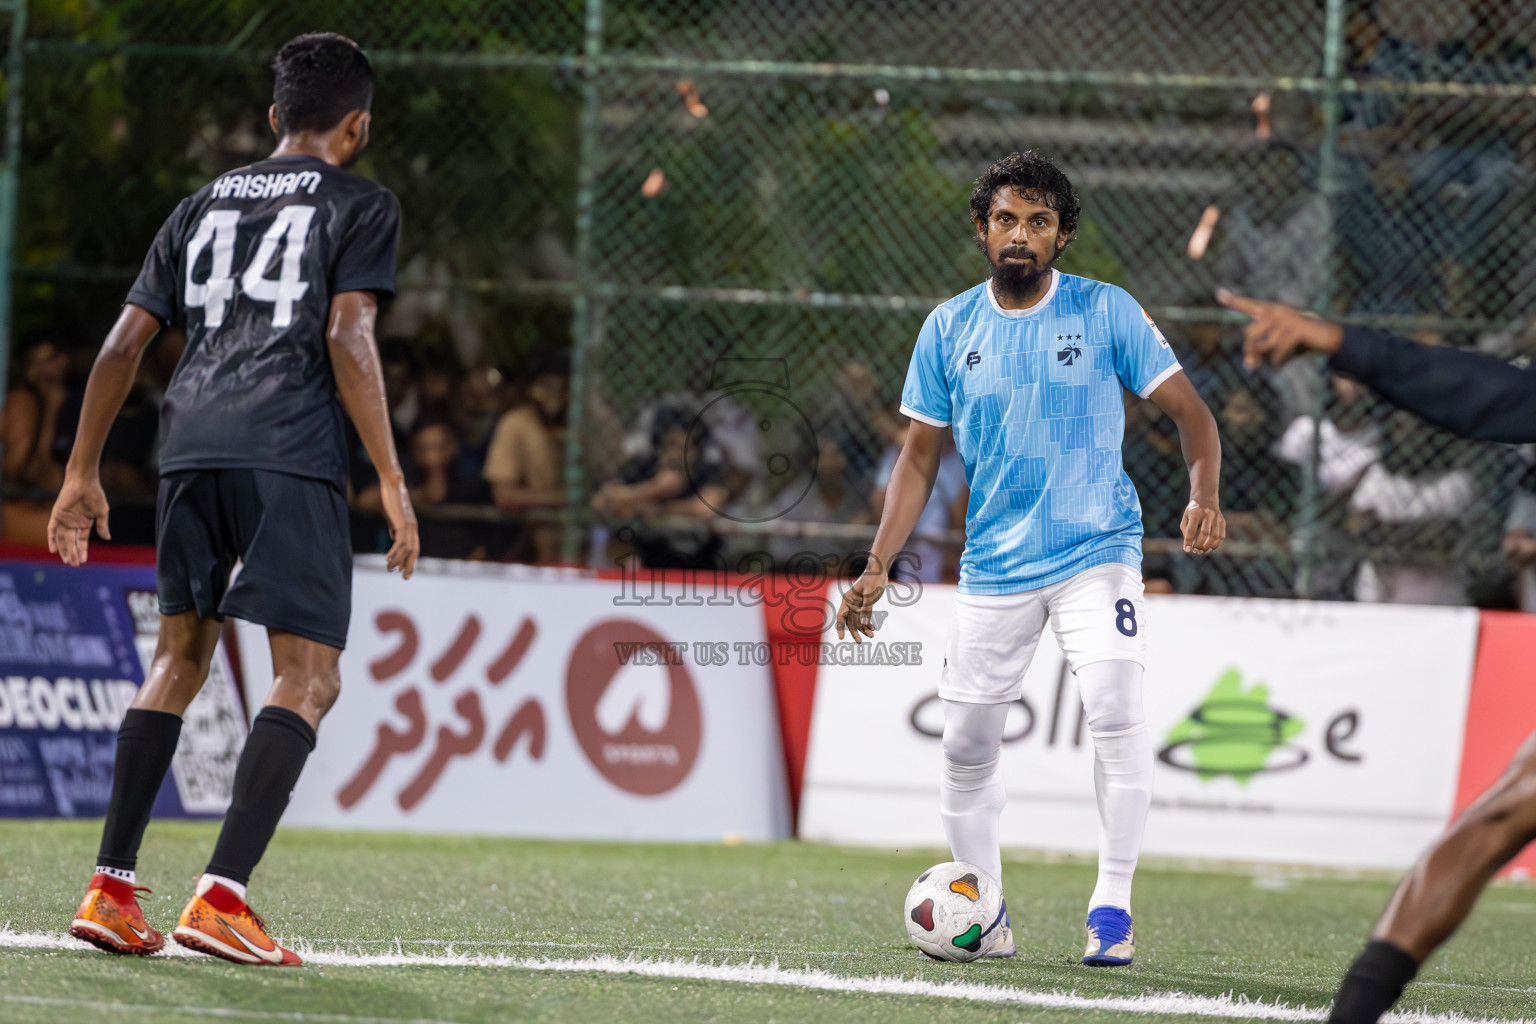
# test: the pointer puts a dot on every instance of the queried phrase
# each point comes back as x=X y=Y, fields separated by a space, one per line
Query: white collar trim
x=1045 y=300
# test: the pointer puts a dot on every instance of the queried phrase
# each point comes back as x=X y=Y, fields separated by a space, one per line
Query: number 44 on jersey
x=290 y=229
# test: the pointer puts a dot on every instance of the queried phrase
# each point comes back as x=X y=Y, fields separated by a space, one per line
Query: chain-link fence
x=745 y=208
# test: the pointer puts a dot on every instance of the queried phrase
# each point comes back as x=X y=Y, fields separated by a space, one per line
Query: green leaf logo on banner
x=1234 y=732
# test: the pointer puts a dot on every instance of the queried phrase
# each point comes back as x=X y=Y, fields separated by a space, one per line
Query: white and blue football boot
x=1001 y=944
x=1111 y=941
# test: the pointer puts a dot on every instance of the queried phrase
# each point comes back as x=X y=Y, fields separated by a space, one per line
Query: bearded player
x=276 y=269
x=1027 y=370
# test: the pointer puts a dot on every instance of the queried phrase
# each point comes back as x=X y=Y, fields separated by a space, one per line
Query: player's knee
x=324 y=689
x=967 y=750
x=960 y=749
x=973 y=733
x=1111 y=692
x=178 y=665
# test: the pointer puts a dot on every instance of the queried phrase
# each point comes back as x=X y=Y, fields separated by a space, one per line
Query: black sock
x=274 y=755
x=146 y=742
x=1375 y=981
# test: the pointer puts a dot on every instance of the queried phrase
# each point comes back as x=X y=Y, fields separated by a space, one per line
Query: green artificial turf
x=1267 y=935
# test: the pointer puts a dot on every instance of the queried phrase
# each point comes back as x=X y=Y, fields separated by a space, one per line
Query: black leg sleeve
x=1375 y=981
x=146 y=743
x=274 y=756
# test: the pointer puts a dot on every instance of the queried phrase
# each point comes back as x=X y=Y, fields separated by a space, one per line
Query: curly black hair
x=321 y=77
x=1033 y=177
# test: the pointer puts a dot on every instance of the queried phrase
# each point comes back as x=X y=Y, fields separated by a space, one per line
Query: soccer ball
x=952 y=910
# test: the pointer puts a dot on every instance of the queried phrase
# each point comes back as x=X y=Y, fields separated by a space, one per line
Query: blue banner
x=74 y=644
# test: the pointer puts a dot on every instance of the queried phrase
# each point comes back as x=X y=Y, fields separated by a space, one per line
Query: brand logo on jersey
x=1159 y=334
x=1069 y=355
x=971 y=359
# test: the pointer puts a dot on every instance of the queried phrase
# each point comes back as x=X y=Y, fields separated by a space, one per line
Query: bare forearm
x=905 y=497
x=106 y=391
x=1202 y=454
x=360 y=388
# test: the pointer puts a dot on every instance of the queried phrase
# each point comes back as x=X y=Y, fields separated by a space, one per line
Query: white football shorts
x=1097 y=615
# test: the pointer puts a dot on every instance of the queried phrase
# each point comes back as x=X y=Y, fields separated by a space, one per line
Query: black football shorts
x=289 y=533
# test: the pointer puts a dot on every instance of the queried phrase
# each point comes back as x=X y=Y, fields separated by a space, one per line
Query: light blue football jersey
x=1034 y=399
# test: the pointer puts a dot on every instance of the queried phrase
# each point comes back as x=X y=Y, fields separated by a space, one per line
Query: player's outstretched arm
x=911 y=483
x=81 y=501
x=1471 y=394
x=360 y=386
x=1203 y=526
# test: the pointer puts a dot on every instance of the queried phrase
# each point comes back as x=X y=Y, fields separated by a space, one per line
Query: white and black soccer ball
x=953 y=911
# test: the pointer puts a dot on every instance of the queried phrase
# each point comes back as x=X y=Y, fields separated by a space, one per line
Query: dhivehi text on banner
x=527 y=702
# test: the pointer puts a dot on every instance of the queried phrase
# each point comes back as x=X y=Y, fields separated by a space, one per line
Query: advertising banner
x=1501 y=713
x=1285 y=731
x=539 y=704
x=75 y=645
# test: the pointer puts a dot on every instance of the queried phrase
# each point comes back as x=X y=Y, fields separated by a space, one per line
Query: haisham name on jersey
x=265 y=186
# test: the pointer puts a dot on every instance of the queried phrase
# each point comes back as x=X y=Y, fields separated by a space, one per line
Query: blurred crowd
x=763 y=476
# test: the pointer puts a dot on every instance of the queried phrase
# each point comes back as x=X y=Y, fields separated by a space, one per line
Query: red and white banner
x=1501 y=712
x=533 y=703
x=1286 y=731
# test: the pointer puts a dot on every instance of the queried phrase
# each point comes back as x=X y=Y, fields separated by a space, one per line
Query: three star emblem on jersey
x=1070 y=353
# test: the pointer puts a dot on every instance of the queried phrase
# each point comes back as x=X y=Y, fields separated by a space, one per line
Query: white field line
x=679 y=949
x=673 y=948
x=1226 y=1006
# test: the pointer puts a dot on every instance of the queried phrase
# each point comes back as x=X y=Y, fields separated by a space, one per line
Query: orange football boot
x=219 y=923
x=109 y=918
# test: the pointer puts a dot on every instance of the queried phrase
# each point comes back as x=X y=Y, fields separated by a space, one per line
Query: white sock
x=1122 y=773
x=209 y=881
x=126 y=874
x=971 y=792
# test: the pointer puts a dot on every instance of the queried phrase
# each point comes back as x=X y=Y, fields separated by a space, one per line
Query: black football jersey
x=252 y=261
